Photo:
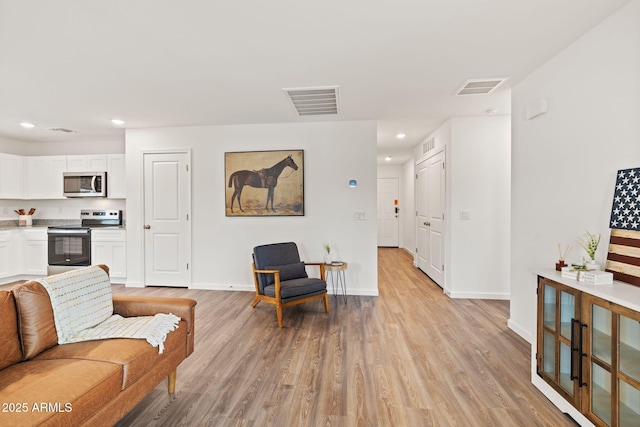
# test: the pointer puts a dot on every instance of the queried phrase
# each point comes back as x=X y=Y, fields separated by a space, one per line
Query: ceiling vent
x=479 y=86
x=62 y=130
x=314 y=101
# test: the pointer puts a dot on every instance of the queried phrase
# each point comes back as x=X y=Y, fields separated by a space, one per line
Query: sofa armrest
x=131 y=306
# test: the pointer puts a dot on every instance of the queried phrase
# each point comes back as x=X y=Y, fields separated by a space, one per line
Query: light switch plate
x=465 y=215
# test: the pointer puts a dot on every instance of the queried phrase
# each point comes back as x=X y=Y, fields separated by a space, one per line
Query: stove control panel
x=90 y=217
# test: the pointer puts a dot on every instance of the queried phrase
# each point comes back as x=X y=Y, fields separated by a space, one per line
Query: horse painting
x=263 y=178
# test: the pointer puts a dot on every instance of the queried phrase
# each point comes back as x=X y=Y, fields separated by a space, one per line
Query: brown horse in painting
x=264 y=178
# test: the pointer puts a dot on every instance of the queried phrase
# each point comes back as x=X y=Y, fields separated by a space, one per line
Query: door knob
x=427 y=223
x=146 y=227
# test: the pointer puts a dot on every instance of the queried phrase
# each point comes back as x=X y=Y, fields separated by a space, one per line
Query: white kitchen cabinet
x=109 y=247
x=11 y=176
x=116 y=176
x=7 y=251
x=44 y=177
x=35 y=252
x=87 y=163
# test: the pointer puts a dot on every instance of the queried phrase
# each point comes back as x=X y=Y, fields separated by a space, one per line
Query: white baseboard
x=251 y=288
x=131 y=284
x=223 y=287
x=520 y=331
x=479 y=295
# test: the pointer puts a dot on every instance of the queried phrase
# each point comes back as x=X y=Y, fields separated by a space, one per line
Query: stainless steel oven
x=69 y=248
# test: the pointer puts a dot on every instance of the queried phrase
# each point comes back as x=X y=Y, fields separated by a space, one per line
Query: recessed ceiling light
x=388 y=158
x=400 y=135
x=27 y=125
x=117 y=122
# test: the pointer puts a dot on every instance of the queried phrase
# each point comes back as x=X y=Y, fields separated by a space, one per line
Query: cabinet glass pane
x=549 y=308
x=601 y=393
x=565 y=368
x=630 y=348
x=601 y=334
x=567 y=311
x=549 y=354
x=629 y=405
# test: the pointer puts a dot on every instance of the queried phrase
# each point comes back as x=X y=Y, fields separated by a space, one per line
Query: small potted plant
x=327 y=259
x=590 y=243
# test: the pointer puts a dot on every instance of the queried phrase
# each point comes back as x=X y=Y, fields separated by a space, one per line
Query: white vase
x=327 y=259
x=591 y=265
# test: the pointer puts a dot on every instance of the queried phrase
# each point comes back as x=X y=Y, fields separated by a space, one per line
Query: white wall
x=55 y=148
x=478 y=162
x=477 y=157
x=407 y=212
x=334 y=153
x=564 y=163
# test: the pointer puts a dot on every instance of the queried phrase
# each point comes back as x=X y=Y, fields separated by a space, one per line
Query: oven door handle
x=69 y=231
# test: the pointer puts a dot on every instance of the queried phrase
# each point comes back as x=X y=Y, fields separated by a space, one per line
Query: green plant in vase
x=590 y=243
x=328 y=255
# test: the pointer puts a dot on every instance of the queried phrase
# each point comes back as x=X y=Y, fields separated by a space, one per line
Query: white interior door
x=430 y=205
x=388 y=222
x=167 y=231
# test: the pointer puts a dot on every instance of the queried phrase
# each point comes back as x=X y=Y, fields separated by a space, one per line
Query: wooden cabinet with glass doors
x=589 y=352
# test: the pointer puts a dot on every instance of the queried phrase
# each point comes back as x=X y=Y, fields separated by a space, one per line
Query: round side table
x=336 y=270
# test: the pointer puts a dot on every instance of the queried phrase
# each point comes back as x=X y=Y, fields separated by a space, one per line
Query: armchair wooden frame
x=277 y=299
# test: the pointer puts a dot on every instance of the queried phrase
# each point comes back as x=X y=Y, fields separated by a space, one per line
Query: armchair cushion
x=287 y=272
x=297 y=288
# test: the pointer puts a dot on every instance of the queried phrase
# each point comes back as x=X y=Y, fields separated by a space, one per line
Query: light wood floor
x=410 y=357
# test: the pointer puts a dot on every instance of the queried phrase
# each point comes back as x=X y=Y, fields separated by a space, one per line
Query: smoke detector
x=479 y=86
x=314 y=101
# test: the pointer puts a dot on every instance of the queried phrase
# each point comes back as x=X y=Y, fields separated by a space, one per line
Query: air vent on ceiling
x=479 y=86
x=62 y=130
x=313 y=101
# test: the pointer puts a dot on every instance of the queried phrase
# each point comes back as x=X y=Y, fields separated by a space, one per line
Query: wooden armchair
x=281 y=278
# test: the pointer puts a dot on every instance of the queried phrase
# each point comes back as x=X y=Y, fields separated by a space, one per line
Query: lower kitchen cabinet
x=588 y=348
x=35 y=251
x=7 y=250
x=109 y=247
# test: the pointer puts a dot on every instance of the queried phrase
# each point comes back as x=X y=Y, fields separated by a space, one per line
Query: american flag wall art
x=623 y=257
x=625 y=212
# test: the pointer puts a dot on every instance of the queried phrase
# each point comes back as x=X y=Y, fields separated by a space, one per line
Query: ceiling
x=158 y=63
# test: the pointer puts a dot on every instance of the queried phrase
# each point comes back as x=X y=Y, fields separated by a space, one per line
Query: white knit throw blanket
x=83 y=310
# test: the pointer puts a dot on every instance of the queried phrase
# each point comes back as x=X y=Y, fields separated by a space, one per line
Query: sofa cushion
x=35 y=317
x=57 y=392
x=10 y=349
x=136 y=357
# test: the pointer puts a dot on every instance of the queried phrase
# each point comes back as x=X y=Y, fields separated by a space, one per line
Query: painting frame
x=264 y=183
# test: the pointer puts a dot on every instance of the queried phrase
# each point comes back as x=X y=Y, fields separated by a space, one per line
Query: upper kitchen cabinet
x=11 y=173
x=112 y=163
x=44 y=177
x=116 y=176
x=87 y=163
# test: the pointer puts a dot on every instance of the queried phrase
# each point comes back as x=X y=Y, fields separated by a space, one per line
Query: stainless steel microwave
x=85 y=184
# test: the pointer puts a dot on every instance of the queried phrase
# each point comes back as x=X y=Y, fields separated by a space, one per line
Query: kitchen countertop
x=45 y=223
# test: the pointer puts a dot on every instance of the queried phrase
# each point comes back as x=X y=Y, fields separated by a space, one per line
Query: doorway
x=388 y=222
x=166 y=213
x=430 y=207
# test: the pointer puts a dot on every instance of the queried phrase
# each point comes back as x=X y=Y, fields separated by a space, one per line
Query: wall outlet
x=360 y=216
x=465 y=215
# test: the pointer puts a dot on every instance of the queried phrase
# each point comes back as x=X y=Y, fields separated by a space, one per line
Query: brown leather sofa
x=92 y=383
